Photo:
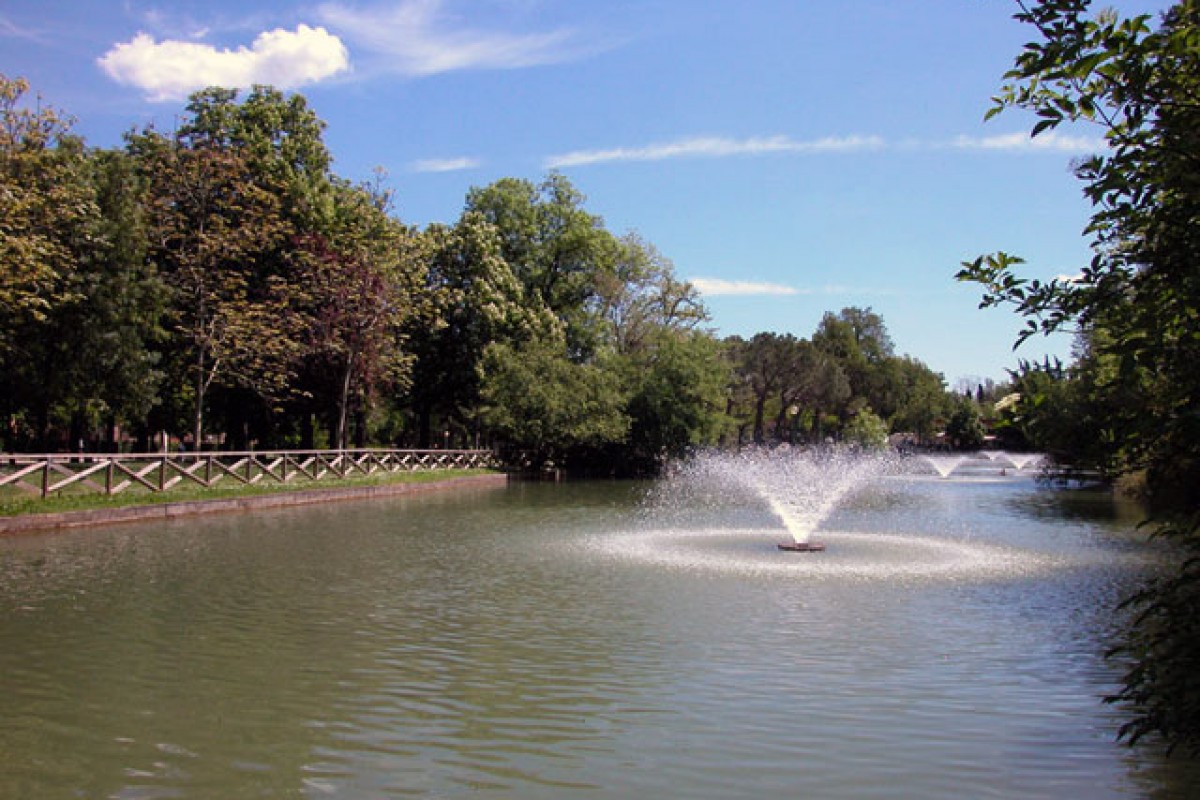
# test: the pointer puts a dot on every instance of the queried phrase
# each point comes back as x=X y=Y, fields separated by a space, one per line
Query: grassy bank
x=13 y=503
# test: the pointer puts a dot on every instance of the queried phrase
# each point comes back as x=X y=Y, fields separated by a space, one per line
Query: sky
x=790 y=157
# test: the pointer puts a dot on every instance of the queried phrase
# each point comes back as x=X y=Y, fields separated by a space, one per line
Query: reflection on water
x=557 y=641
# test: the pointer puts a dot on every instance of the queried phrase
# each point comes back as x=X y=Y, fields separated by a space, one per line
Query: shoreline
x=67 y=520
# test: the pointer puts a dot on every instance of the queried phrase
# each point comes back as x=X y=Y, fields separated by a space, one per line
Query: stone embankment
x=34 y=523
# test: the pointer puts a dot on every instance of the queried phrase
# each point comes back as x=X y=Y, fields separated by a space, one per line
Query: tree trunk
x=759 y=410
x=344 y=403
x=424 y=425
x=307 y=433
x=198 y=412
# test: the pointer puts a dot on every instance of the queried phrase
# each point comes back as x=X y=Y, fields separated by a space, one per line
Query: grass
x=14 y=503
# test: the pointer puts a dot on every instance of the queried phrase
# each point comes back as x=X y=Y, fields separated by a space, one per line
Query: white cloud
x=415 y=38
x=716 y=147
x=716 y=287
x=444 y=164
x=171 y=69
x=1052 y=141
x=9 y=29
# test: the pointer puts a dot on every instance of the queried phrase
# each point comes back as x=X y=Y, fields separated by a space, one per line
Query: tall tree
x=641 y=295
x=476 y=301
x=364 y=282
x=49 y=223
x=545 y=405
x=214 y=224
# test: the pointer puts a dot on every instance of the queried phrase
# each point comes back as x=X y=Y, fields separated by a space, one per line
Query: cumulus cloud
x=444 y=164
x=716 y=147
x=171 y=69
x=415 y=38
x=717 y=287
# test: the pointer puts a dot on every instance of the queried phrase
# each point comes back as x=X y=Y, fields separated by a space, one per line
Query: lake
x=590 y=640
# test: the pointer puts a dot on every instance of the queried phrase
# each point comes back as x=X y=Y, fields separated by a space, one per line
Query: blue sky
x=789 y=156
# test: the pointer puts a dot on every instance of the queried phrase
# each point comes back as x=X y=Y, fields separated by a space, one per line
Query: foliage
x=363 y=280
x=965 y=428
x=1163 y=683
x=866 y=430
x=557 y=250
x=1137 y=303
x=545 y=405
x=476 y=300
x=223 y=279
x=677 y=400
x=214 y=227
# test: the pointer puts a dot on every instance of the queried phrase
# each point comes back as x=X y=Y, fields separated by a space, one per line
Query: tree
x=365 y=283
x=866 y=430
x=555 y=248
x=858 y=339
x=677 y=399
x=213 y=226
x=921 y=400
x=965 y=428
x=281 y=139
x=1138 y=300
x=544 y=405
x=641 y=296
x=762 y=367
x=476 y=300
x=46 y=208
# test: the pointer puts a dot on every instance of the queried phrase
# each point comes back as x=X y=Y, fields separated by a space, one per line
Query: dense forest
x=222 y=284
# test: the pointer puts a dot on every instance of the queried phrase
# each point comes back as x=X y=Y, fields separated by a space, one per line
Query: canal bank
x=64 y=520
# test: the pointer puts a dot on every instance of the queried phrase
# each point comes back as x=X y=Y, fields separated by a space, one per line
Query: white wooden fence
x=112 y=473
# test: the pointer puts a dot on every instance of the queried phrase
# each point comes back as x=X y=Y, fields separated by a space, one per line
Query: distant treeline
x=221 y=283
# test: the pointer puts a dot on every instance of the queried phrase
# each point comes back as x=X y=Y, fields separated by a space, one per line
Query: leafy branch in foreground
x=1135 y=306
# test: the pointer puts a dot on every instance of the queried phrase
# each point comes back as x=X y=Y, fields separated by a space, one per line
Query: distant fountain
x=1022 y=460
x=944 y=465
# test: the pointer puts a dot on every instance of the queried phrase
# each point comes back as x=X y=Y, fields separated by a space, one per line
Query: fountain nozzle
x=802 y=547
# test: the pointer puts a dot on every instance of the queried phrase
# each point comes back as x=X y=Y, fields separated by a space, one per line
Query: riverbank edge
x=67 y=520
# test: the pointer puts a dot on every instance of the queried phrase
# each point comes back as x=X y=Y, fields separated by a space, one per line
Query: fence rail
x=112 y=473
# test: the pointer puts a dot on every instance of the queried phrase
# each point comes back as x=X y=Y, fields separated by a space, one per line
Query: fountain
x=712 y=511
x=800 y=487
x=944 y=465
x=1022 y=460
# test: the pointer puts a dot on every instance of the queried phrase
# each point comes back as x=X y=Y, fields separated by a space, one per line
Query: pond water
x=578 y=640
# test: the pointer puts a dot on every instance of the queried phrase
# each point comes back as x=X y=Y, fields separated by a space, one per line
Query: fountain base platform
x=802 y=547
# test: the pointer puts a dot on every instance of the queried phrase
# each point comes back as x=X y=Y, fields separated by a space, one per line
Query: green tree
x=476 y=301
x=1138 y=301
x=555 y=248
x=922 y=403
x=867 y=430
x=544 y=405
x=678 y=397
x=965 y=427
x=215 y=230
x=281 y=140
x=47 y=208
x=641 y=296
